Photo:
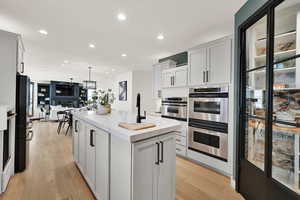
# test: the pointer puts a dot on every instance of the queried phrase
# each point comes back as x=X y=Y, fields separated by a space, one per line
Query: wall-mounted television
x=64 y=90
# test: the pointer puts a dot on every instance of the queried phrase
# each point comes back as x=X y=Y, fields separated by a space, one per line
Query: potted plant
x=105 y=99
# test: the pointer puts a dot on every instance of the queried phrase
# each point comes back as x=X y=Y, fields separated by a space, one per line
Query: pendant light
x=89 y=84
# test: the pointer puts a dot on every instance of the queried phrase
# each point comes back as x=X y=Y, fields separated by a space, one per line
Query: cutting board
x=136 y=126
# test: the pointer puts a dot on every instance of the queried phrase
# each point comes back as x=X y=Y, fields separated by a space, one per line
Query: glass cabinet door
x=286 y=95
x=256 y=93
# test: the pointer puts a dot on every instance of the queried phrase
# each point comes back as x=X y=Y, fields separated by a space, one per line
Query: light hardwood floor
x=52 y=174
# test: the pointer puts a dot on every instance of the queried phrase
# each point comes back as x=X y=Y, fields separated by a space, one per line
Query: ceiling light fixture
x=92 y=46
x=113 y=70
x=160 y=37
x=43 y=32
x=89 y=84
x=66 y=62
x=124 y=55
x=122 y=17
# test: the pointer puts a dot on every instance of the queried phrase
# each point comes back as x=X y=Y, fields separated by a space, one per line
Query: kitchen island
x=118 y=163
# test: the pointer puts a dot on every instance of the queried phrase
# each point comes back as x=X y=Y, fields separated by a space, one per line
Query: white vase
x=102 y=110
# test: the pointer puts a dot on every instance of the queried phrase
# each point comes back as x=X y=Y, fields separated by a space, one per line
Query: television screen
x=64 y=90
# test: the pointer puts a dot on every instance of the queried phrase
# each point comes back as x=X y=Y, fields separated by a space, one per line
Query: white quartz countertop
x=110 y=124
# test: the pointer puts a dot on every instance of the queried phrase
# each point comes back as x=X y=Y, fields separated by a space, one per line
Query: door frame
x=271 y=187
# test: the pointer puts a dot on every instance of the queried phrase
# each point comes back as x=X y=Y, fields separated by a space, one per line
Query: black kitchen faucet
x=138 y=105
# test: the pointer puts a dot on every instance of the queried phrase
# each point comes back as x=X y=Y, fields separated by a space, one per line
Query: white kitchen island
x=120 y=164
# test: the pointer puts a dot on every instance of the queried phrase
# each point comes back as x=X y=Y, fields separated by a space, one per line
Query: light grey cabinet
x=159 y=80
x=197 y=66
x=90 y=156
x=219 y=62
x=154 y=168
x=175 y=77
x=76 y=139
x=211 y=63
x=102 y=165
x=81 y=146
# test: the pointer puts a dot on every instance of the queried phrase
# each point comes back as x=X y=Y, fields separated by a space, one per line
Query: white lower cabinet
x=153 y=168
x=75 y=140
x=102 y=165
x=90 y=156
x=81 y=146
x=118 y=169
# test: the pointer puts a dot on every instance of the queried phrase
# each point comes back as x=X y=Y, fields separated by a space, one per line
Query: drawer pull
x=178 y=149
x=178 y=140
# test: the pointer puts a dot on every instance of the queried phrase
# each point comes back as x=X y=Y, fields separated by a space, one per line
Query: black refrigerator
x=23 y=134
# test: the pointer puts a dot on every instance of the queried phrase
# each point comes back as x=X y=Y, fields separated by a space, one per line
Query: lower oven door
x=211 y=109
x=211 y=143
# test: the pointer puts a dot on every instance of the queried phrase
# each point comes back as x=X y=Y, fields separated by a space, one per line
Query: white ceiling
x=73 y=24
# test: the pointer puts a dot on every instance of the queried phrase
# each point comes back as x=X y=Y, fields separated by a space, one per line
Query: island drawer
x=180 y=150
x=181 y=140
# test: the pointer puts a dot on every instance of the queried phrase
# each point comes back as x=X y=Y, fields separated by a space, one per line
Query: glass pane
x=255 y=115
x=256 y=44
x=286 y=100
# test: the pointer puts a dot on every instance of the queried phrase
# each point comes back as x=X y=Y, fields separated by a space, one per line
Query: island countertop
x=110 y=124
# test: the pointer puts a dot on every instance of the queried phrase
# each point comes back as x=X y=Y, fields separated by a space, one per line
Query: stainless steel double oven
x=208 y=121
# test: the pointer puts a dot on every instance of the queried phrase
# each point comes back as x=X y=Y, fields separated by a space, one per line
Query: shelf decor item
x=105 y=99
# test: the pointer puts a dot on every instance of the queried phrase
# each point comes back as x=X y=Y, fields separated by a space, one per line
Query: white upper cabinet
x=219 y=62
x=180 y=75
x=158 y=79
x=211 y=63
x=197 y=66
x=175 y=77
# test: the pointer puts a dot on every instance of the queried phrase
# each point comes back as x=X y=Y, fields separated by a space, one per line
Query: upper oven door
x=209 y=107
x=174 y=110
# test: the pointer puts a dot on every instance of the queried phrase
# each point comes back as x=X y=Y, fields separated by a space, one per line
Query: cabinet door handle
x=158 y=152
x=76 y=128
x=162 y=152
x=203 y=76
x=92 y=138
x=207 y=76
x=23 y=68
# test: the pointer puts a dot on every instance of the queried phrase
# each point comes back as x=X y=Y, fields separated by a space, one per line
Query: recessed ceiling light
x=113 y=70
x=122 y=17
x=44 y=32
x=92 y=46
x=66 y=61
x=124 y=55
x=106 y=72
x=160 y=37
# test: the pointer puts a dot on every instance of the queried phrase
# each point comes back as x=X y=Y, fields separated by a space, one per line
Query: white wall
x=8 y=63
x=143 y=84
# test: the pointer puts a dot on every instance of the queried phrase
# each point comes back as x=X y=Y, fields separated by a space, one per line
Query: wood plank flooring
x=52 y=174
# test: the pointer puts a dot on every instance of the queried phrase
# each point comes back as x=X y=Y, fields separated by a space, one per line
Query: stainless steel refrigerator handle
x=31 y=136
